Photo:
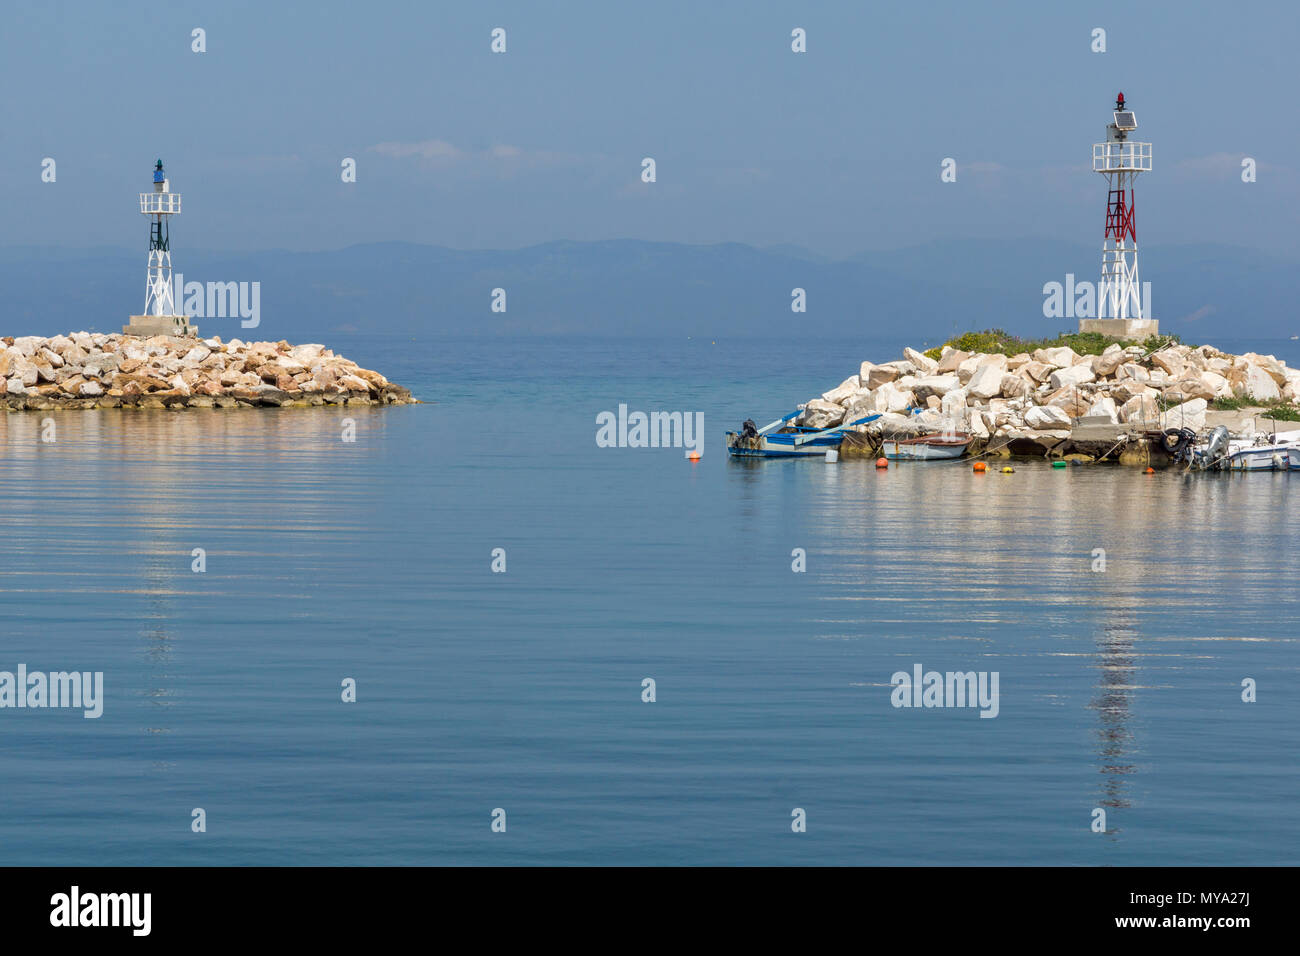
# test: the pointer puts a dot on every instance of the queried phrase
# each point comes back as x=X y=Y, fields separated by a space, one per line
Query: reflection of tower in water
x=159 y=583
x=158 y=651
x=156 y=450
x=1116 y=667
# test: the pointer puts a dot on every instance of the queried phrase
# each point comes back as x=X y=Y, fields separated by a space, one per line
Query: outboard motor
x=749 y=429
x=1216 y=446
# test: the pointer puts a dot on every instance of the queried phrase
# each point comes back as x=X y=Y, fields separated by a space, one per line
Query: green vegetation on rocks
x=1278 y=409
x=1001 y=342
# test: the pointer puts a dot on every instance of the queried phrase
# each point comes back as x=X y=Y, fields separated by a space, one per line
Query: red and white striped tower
x=1119 y=296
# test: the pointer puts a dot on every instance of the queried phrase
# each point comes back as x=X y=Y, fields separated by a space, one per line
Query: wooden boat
x=782 y=440
x=928 y=447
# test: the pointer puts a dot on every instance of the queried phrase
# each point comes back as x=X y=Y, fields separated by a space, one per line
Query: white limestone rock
x=1275 y=369
x=1038 y=371
x=857 y=397
x=1062 y=357
x=890 y=398
x=939 y=385
x=950 y=359
x=879 y=375
x=1045 y=417
x=1014 y=386
x=1168 y=360
x=1190 y=414
x=1256 y=385
x=195 y=356
x=28 y=344
x=922 y=362
x=817 y=414
x=1104 y=407
x=1140 y=408
x=953 y=404
x=1129 y=389
x=1108 y=361
x=1073 y=376
x=23 y=369
x=1217 y=383
x=986 y=382
x=1131 y=371
x=967 y=368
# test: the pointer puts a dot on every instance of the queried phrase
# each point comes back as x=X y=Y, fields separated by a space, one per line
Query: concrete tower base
x=1138 y=329
x=146 y=325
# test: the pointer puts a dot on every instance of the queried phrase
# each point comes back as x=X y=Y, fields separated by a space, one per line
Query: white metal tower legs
x=1120 y=295
x=158 y=297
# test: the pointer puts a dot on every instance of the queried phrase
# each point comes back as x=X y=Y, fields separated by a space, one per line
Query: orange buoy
x=981 y=467
x=694 y=456
x=1149 y=471
x=882 y=462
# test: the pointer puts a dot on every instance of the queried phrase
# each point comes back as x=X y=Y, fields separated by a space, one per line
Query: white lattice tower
x=1120 y=160
x=161 y=204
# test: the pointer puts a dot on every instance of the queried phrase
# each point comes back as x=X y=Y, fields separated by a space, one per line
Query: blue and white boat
x=779 y=439
x=1277 y=452
x=1264 y=452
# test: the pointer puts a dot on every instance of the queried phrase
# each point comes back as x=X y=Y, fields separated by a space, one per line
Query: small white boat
x=928 y=447
x=1276 y=452
x=1260 y=458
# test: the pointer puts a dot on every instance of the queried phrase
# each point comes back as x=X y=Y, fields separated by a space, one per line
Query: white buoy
x=832 y=456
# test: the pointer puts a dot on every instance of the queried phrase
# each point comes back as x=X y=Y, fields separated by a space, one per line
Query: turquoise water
x=476 y=690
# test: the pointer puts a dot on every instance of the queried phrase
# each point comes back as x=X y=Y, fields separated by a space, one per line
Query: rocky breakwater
x=98 y=370
x=1032 y=403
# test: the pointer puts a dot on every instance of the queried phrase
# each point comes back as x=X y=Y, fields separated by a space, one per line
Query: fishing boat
x=1267 y=457
x=1268 y=452
x=1264 y=452
x=780 y=439
x=937 y=447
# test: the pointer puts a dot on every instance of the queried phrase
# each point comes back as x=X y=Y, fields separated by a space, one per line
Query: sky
x=837 y=149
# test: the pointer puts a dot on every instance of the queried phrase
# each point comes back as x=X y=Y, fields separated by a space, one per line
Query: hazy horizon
x=836 y=150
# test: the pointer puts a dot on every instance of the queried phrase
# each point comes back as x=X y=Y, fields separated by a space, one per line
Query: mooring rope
x=1122 y=441
x=986 y=451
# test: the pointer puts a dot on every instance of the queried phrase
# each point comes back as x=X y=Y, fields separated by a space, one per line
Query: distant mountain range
x=635 y=288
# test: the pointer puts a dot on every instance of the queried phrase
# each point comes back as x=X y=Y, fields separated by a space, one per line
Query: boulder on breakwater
x=102 y=370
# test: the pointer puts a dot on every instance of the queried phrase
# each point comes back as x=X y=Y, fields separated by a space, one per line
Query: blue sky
x=837 y=149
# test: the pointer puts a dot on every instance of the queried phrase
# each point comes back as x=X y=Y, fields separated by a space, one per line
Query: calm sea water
x=371 y=560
